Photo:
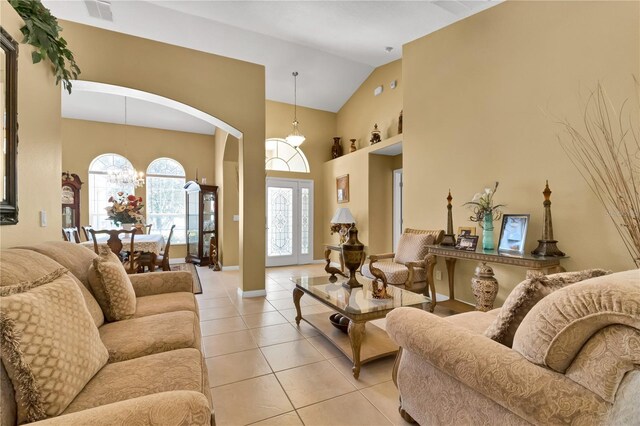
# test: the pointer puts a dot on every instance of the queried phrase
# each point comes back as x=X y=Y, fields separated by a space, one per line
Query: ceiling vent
x=100 y=9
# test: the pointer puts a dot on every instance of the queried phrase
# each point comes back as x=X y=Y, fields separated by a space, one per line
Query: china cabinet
x=202 y=222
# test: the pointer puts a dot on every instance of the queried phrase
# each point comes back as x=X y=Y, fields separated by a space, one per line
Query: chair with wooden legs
x=129 y=259
x=151 y=261
x=71 y=234
x=85 y=231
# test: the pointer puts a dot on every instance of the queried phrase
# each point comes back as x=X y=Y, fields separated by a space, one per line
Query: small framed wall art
x=467 y=243
x=513 y=233
x=342 y=189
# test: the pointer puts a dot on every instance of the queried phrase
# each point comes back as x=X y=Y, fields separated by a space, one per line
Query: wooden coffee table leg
x=356 y=334
x=297 y=294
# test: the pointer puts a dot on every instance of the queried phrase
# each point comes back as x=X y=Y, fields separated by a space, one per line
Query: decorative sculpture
x=336 y=149
x=375 y=135
x=449 y=238
x=352 y=252
x=353 y=147
x=547 y=245
x=376 y=291
x=332 y=270
x=213 y=254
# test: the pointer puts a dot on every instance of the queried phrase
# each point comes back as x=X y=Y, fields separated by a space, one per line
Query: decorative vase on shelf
x=487 y=231
x=353 y=147
x=336 y=148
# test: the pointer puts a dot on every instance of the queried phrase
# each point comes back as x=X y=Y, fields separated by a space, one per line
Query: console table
x=484 y=283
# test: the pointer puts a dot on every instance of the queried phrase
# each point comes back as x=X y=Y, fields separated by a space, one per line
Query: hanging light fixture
x=125 y=175
x=295 y=138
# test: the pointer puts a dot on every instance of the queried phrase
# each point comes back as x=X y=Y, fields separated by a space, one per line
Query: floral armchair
x=408 y=266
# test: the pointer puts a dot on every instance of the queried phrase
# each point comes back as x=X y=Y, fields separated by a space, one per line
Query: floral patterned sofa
x=575 y=359
x=147 y=369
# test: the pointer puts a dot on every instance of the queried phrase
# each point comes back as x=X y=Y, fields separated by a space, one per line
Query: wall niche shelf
x=391 y=146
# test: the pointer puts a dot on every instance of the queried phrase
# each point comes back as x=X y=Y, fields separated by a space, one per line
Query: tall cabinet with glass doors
x=202 y=222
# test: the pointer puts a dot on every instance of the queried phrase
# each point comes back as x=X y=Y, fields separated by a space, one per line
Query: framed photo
x=342 y=188
x=467 y=243
x=465 y=231
x=513 y=233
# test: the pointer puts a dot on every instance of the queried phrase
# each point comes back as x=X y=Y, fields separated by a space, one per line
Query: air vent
x=100 y=9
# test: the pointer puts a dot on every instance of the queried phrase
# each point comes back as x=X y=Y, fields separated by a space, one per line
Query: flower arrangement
x=482 y=205
x=125 y=208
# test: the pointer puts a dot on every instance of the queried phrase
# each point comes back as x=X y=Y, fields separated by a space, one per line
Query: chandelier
x=295 y=138
x=125 y=174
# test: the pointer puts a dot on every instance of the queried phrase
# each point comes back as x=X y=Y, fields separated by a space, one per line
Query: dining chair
x=71 y=234
x=161 y=260
x=129 y=259
x=85 y=231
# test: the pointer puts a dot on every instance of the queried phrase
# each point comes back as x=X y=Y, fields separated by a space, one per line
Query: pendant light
x=295 y=138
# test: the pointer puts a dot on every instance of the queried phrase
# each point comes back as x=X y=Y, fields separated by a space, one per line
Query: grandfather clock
x=71 y=185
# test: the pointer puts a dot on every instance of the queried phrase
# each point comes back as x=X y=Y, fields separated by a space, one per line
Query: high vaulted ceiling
x=334 y=45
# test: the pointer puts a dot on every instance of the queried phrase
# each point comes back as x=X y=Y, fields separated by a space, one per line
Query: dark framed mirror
x=9 y=135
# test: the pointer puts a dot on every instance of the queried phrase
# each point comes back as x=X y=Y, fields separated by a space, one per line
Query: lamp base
x=548 y=248
x=449 y=240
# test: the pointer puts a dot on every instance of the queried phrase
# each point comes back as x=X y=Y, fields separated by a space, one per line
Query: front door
x=289 y=221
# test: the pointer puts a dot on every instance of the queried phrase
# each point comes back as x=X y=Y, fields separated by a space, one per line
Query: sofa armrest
x=537 y=394
x=166 y=408
x=376 y=257
x=151 y=283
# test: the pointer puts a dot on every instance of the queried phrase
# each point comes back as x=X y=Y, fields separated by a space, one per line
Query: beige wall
x=39 y=148
x=230 y=90
x=358 y=116
x=140 y=145
x=480 y=99
x=319 y=128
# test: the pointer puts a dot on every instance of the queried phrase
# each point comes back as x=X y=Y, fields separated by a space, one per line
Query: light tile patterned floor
x=265 y=370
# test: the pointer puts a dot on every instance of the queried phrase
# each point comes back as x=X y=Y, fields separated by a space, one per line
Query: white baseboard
x=231 y=268
x=319 y=261
x=253 y=293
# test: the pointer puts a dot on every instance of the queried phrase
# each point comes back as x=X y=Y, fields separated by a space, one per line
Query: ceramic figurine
x=353 y=146
x=336 y=149
x=375 y=135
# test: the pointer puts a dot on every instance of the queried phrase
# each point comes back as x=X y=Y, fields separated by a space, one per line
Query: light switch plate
x=236 y=218
x=393 y=84
x=377 y=90
x=43 y=218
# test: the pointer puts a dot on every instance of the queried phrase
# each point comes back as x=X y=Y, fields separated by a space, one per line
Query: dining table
x=148 y=243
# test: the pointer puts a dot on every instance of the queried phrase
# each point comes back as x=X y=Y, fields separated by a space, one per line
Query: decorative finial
x=449 y=197
x=547 y=192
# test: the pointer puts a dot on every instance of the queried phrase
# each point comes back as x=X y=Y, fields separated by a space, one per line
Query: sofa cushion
x=181 y=369
x=75 y=257
x=557 y=328
x=524 y=297
x=111 y=286
x=138 y=337
x=50 y=347
x=412 y=247
x=165 y=302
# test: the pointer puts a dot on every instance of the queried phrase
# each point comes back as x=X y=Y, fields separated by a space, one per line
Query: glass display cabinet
x=202 y=222
x=70 y=199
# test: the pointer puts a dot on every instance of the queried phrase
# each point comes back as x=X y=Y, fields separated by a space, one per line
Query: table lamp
x=344 y=218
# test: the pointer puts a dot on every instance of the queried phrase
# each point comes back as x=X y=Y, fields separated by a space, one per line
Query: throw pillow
x=524 y=297
x=412 y=247
x=50 y=347
x=112 y=287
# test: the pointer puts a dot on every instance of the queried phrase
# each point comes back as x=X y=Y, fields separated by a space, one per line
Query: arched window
x=284 y=157
x=165 y=204
x=101 y=187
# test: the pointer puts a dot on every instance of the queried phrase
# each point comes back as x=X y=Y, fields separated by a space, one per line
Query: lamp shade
x=343 y=215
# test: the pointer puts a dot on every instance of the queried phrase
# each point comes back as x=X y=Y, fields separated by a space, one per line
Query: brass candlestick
x=352 y=252
x=547 y=245
x=449 y=238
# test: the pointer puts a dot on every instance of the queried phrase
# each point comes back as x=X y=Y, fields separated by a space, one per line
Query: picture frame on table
x=465 y=231
x=342 y=189
x=467 y=243
x=513 y=233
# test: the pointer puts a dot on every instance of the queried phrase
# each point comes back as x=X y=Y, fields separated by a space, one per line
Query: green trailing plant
x=41 y=30
x=605 y=148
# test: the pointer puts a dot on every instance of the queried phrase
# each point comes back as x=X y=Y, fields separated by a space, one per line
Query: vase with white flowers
x=485 y=213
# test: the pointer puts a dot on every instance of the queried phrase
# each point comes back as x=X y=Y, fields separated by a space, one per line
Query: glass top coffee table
x=361 y=344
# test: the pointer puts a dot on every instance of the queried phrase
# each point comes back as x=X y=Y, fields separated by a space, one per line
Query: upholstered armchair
x=408 y=266
x=575 y=359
